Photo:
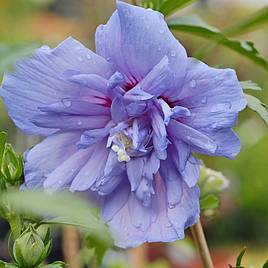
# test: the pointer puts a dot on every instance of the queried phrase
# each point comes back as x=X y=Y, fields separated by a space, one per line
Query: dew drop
x=204 y=100
x=88 y=56
x=193 y=83
x=214 y=125
x=173 y=53
x=171 y=206
x=72 y=170
x=80 y=58
x=45 y=47
x=79 y=122
x=159 y=48
x=161 y=31
x=67 y=103
x=188 y=138
x=77 y=47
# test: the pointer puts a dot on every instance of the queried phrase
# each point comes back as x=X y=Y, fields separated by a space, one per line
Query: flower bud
x=11 y=166
x=212 y=182
x=29 y=249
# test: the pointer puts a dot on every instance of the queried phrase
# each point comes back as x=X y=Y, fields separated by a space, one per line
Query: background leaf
x=256 y=105
x=250 y=23
x=170 y=6
x=196 y=26
x=265 y=265
x=65 y=207
x=210 y=201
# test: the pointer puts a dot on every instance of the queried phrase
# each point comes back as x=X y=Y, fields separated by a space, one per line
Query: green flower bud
x=212 y=182
x=29 y=249
x=57 y=264
x=12 y=166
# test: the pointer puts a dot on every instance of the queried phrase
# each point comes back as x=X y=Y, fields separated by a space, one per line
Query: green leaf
x=209 y=202
x=99 y=248
x=250 y=85
x=196 y=26
x=3 y=139
x=170 y=6
x=65 y=207
x=265 y=265
x=252 y=21
x=256 y=105
x=9 y=54
x=240 y=257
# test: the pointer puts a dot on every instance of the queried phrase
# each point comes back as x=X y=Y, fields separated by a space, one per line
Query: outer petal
x=214 y=96
x=133 y=224
x=136 y=39
x=45 y=157
x=40 y=81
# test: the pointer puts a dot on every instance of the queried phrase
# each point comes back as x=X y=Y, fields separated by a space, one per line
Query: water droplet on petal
x=79 y=123
x=204 y=100
x=45 y=47
x=173 y=53
x=80 y=58
x=161 y=31
x=78 y=47
x=67 y=103
x=171 y=206
x=188 y=138
x=88 y=56
x=193 y=83
x=214 y=125
x=159 y=48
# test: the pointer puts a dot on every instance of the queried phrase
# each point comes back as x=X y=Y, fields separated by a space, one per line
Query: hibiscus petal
x=186 y=212
x=38 y=81
x=70 y=122
x=214 y=96
x=191 y=136
x=92 y=170
x=59 y=147
x=135 y=171
x=63 y=175
x=120 y=42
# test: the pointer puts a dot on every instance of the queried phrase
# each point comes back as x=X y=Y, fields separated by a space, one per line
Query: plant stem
x=138 y=256
x=15 y=224
x=201 y=243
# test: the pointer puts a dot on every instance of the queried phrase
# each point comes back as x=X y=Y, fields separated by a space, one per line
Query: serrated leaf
x=170 y=6
x=256 y=105
x=240 y=257
x=59 y=208
x=209 y=202
x=251 y=22
x=250 y=85
x=196 y=26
